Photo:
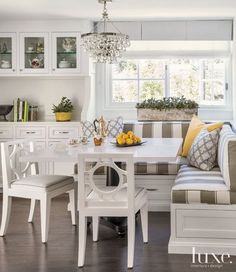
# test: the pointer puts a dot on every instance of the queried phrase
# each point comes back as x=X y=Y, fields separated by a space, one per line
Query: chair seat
x=196 y=186
x=120 y=199
x=43 y=182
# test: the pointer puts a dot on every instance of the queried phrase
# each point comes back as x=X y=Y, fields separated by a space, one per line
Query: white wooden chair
x=27 y=183
x=123 y=200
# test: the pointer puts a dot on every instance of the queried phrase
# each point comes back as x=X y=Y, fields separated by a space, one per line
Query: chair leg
x=32 y=208
x=45 y=206
x=73 y=206
x=82 y=239
x=144 y=222
x=6 y=211
x=131 y=240
x=95 y=228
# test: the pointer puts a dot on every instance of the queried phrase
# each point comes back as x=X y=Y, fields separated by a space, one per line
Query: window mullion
x=138 y=79
x=167 y=80
x=201 y=80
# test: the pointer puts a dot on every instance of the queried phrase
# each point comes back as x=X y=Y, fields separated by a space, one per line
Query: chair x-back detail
x=123 y=200
x=24 y=181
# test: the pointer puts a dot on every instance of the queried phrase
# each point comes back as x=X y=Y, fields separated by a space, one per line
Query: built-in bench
x=203 y=210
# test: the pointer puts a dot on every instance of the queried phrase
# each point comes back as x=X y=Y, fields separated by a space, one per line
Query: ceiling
x=119 y=9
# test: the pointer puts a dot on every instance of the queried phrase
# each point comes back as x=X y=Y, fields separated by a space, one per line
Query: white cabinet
x=40 y=53
x=8 y=53
x=6 y=132
x=34 y=57
x=58 y=132
x=65 y=52
x=33 y=132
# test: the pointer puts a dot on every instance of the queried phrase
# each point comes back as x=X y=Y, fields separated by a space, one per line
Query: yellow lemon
x=121 y=141
x=130 y=133
x=125 y=136
x=135 y=140
x=129 y=141
x=138 y=139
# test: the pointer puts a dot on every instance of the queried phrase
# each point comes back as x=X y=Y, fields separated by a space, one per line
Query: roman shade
x=179 y=30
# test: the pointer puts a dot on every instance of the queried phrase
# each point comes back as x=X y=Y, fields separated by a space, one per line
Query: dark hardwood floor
x=21 y=249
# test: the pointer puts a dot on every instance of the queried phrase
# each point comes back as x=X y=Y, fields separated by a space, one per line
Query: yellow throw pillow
x=195 y=127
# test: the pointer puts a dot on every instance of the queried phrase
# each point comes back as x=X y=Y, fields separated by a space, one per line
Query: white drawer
x=6 y=132
x=63 y=132
x=31 y=132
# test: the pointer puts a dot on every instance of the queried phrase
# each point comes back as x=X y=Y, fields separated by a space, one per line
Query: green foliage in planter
x=168 y=103
x=64 y=106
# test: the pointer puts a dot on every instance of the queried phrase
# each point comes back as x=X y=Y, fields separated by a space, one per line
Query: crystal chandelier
x=105 y=47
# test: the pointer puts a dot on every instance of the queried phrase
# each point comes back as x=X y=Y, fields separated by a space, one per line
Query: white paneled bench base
x=203 y=208
x=208 y=228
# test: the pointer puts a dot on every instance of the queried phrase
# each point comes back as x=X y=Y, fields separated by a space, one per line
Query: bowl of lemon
x=128 y=139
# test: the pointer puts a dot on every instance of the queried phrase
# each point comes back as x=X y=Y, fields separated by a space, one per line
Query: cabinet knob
x=13 y=70
x=21 y=70
x=53 y=69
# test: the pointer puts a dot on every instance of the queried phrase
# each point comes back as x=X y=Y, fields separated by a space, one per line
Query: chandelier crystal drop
x=105 y=47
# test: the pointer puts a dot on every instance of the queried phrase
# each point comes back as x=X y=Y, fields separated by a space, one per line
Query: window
x=203 y=80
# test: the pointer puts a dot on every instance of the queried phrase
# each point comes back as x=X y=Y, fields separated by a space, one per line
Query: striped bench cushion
x=158 y=129
x=149 y=168
x=196 y=186
x=159 y=168
x=227 y=156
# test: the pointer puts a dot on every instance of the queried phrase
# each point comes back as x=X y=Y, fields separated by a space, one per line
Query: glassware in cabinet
x=7 y=53
x=34 y=53
x=66 y=52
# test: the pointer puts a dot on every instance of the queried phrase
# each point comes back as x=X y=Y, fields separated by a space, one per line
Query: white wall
x=44 y=92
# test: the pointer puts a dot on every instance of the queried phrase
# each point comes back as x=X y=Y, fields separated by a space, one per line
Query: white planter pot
x=166 y=115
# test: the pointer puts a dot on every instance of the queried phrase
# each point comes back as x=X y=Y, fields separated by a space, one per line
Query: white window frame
x=109 y=104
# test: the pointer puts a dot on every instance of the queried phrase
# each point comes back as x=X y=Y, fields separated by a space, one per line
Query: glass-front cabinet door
x=65 y=52
x=34 y=53
x=7 y=53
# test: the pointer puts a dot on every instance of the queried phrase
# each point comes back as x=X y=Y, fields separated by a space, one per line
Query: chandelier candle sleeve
x=105 y=47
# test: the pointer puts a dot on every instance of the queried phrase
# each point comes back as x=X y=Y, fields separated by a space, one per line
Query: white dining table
x=152 y=150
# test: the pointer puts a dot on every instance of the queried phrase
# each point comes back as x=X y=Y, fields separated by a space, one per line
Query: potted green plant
x=167 y=109
x=63 y=111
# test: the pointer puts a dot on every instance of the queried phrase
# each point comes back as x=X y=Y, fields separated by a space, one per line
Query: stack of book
x=21 y=110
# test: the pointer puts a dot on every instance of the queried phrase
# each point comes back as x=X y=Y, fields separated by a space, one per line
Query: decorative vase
x=166 y=115
x=63 y=116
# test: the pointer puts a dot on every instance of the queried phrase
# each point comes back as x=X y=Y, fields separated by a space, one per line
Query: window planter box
x=166 y=115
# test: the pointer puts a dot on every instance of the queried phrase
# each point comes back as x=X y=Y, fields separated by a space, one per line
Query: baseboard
x=216 y=246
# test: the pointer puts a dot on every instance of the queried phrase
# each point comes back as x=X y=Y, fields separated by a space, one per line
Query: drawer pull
x=1 y=132
x=63 y=132
x=30 y=132
x=152 y=190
